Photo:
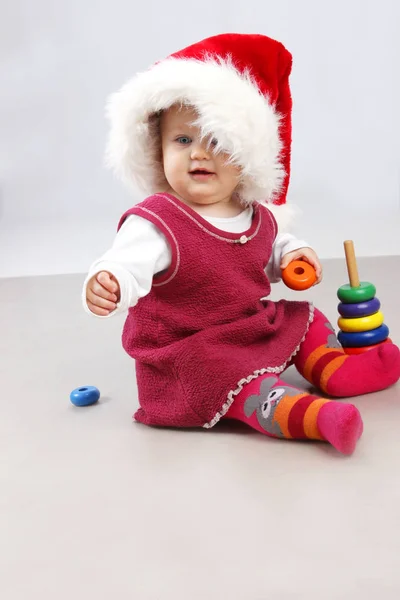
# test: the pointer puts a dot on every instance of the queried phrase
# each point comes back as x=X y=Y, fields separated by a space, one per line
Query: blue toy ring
x=85 y=395
x=360 y=309
x=363 y=338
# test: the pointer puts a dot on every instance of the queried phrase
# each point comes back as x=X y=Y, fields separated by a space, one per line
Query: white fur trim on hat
x=230 y=107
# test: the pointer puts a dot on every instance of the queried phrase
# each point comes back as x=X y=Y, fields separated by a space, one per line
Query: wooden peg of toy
x=299 y=275
x=356 y=291
x=351 y=263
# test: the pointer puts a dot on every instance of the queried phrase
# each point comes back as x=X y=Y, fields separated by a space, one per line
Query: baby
x=207 y=134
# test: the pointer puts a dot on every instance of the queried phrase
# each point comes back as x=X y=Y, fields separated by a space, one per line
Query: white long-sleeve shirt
x=140 y=251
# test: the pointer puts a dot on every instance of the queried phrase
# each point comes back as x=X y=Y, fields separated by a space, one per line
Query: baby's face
x=193 y=171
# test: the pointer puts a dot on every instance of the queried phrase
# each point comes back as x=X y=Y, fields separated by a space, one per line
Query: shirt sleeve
x=139 y=252
x=284 y=243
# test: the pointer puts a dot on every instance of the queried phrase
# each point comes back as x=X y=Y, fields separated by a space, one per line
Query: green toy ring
x=364 y=292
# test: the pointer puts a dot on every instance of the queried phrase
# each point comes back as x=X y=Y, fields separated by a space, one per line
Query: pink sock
x=277 y=409
x=322 y=362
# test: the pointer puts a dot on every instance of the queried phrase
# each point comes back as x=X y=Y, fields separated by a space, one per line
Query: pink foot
x=341 y=425
x=369 y=372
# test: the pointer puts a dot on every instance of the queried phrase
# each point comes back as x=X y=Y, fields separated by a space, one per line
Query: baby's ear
x=251 y=404
x=267 y=385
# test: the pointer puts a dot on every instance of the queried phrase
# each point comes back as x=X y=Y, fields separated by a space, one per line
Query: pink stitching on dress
x=273 y=220
x=210 y=232
x=178 y=257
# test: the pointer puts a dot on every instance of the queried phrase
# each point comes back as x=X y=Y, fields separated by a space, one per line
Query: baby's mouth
x=201 y=172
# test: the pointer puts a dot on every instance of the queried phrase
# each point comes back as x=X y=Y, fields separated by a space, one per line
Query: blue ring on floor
x=85 y=395
x=363 y=338
x=360 y=309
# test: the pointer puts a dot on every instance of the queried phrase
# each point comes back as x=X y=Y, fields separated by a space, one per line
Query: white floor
x=93 y=506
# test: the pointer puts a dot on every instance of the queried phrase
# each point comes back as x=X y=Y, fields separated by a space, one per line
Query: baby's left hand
x=306 y=254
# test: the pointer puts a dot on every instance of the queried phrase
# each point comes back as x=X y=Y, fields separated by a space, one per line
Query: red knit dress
x=207 y=328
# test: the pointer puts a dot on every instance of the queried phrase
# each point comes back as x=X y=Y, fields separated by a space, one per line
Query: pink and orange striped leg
x=323 y=363
x=277 y=409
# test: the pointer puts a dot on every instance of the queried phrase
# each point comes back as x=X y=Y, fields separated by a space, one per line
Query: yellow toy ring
x=361 y=323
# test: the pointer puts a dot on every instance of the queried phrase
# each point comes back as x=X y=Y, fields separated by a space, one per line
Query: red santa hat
x=239 y=85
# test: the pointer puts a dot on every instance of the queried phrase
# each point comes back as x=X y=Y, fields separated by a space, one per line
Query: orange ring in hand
x=299 y=275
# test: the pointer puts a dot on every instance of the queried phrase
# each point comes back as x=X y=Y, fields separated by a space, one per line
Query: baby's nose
x=200 y=151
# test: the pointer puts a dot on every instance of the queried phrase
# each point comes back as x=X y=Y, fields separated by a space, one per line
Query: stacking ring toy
x=363 y=338
x=84 y=396
x=362 y=293
x=360 y=309
x=363 y=349
x=362 y=323
x=299 y=275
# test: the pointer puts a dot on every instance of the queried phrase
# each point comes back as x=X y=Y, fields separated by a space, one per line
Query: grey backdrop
x=59 y=61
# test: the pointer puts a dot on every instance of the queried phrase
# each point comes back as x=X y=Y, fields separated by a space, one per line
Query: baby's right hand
x=102 y=293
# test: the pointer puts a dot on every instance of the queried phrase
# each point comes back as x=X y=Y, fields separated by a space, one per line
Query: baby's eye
x=214 y=142
x=183 y=139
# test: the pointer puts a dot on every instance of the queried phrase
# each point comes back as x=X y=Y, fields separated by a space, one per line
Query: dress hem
x=276 y=370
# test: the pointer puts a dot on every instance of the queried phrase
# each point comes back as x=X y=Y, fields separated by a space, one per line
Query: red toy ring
x=363 y=349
